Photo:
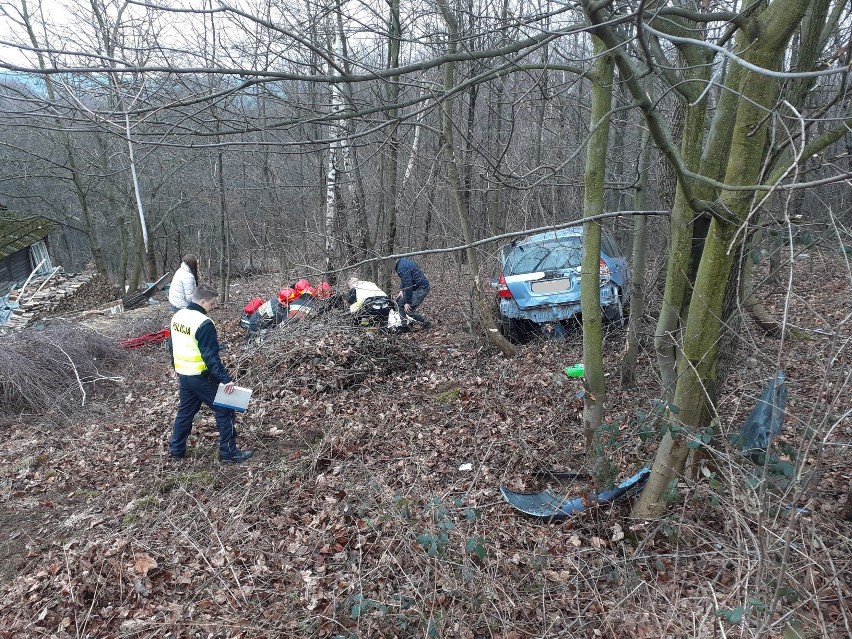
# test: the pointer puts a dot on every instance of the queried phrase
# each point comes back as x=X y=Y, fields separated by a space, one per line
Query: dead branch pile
x=323 y=356
x=53 y=368
x=134 y=323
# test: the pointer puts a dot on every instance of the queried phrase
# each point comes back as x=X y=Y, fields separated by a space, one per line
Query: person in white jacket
x=184 y=282
x=370 y=305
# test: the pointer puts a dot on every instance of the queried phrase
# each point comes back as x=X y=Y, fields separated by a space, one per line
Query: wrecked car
x=539 y=286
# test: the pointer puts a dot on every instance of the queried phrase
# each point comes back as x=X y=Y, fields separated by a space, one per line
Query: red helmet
x=301 y=286
x=310 y=291
x=324 y=290
x=286 y=294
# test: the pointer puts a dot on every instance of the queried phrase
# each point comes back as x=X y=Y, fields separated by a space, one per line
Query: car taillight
x=502 y=289
x=604 y=269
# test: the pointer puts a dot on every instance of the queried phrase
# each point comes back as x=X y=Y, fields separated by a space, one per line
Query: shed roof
x=20 y=230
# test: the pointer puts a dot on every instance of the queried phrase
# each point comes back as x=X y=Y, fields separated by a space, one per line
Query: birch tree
x=335 y=135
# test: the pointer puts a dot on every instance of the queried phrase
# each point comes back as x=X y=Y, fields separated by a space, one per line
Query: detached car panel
x=542 y=275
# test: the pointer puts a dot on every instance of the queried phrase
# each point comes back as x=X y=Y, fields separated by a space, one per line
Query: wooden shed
x=23 y=246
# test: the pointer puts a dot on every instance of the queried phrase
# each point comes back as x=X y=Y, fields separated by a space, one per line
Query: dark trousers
x=417 y=297
x=194 y=391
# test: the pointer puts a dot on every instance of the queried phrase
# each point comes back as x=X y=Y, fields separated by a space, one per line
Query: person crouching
x=272 y=313
x=368 y=304
x=305 y=304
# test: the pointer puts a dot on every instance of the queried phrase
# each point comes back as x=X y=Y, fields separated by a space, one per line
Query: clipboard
x=238 y=400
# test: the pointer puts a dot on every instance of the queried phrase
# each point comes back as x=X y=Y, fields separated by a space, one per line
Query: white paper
x=238 y=400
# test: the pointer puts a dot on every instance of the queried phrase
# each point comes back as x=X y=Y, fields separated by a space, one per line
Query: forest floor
x=372 y=505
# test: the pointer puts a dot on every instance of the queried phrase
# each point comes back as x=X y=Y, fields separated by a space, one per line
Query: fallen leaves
x=352 y=454
x=143 y=563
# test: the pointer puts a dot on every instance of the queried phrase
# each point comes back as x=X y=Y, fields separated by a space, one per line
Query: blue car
x=539 y=287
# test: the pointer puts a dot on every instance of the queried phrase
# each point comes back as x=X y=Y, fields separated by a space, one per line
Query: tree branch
x=506 y=236
x=657 y=128
x=786 y=75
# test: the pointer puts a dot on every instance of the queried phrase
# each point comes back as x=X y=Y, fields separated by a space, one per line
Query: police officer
x=194 y=347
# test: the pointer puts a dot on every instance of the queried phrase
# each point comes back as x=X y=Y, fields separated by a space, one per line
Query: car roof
x=574 y=231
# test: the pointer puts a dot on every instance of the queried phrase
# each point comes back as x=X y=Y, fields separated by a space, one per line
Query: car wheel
x=616 y=312
x=514 y=330
x=507 y=329
x=552 y=330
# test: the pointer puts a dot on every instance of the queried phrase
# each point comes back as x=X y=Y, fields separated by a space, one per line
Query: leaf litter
x=355 y=520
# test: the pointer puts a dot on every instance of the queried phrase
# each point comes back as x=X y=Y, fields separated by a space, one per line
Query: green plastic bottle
x=576 y=370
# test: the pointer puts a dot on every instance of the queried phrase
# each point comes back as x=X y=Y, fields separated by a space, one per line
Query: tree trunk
x=810 y=45
x=391 y=161
x=67 y=145
x=667 y=335
x=485 y=315
x=496 y=219
x=150 y=258
x=639 y=264
x=472 y=94
x=335 y=134
x=542 y=86
x=349 y=151
x=494 y=200
x=697 y=369
x=224 y=228
x=124 y=251
x=138 y=255
x=593 y=204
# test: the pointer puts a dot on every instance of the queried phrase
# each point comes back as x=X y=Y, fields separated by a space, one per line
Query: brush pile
x=323 y=355
x=53 y=369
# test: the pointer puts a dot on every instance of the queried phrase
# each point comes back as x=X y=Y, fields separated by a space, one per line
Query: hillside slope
x=357 y=516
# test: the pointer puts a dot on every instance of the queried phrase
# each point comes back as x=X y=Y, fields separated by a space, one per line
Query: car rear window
x=567 y=253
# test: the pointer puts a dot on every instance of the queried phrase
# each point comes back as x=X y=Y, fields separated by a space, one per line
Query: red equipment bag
x=249 y=309
x=252 y=306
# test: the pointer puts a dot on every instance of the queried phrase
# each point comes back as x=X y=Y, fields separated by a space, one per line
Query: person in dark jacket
x=414 y=287
x=194 y=350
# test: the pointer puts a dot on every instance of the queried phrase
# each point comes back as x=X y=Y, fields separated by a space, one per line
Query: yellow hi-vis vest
x=363 y=291
x=185 y=351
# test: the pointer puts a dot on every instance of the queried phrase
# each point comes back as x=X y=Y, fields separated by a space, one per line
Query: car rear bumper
x=554 y=312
